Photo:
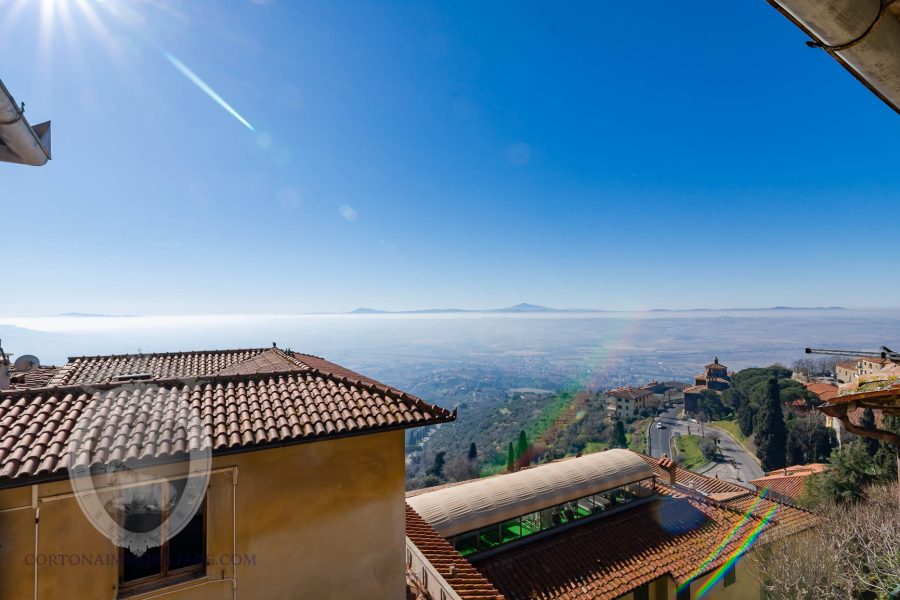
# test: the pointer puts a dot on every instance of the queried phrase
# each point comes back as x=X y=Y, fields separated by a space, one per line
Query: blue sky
x=412 y=154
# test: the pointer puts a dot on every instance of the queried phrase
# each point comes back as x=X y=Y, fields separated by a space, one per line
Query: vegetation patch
x=689 y=453
x=734 y=429
x=637 y=435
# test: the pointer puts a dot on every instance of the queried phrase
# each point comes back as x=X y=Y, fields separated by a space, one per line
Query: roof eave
x=63 y=474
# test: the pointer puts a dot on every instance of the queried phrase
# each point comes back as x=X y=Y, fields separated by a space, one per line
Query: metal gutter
x=20 y=142
x=863 y=36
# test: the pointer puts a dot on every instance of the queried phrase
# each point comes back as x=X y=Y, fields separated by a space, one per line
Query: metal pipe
x=862 y=35
x=234 y=479
x=19 y=142
x=37 y=521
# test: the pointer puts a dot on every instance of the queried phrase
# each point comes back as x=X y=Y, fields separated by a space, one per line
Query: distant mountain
x=525 y=307
x=518 y=308
x=79 y=314
x=808 y=308
x=536 y=308
x=769 y=308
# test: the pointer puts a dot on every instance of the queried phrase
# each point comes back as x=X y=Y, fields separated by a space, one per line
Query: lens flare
x=733 y=558
x=204 y=87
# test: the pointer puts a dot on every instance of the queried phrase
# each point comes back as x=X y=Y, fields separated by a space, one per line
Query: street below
x=734 y=464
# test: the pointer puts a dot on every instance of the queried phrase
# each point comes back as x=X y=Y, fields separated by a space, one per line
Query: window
x=145 y=509
x=730 y=577
x=642 y=593
x=479 y=540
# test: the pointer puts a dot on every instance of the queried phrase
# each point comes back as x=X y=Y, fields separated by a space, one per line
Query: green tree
x=473 y=451
x=745 y=417
x=710 y=406
x=437 y=469
x=618 y=439
x=511 y=459
x=867 y=421
x=709 y=448
x=808 y=441
x=522 y=457
x=771 y=435
x=852 y=468
x=887 y=455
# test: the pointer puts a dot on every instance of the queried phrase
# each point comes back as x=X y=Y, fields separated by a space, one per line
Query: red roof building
x=680 y=532
x=788 y=484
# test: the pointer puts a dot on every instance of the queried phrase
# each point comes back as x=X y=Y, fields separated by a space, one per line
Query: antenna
x=26 y=362
x=885 y=352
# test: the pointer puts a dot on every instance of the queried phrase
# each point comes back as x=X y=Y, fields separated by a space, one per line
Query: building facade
x=715 y=377
x=628 y=402
x=306 y=479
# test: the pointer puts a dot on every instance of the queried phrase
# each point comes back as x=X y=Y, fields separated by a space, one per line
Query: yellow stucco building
x=305 y=495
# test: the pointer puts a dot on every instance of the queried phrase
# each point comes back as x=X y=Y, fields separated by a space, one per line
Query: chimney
x=4 y=369
x=669 y=467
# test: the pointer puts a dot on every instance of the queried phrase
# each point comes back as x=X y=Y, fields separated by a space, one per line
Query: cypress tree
x=771 y=434
x=745 y=417
x=511 y=459
x=473 y=451
x=437 y=469
x=618 y=438
x=522 y=450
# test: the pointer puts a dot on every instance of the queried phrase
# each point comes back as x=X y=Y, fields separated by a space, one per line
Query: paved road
x=735 y=464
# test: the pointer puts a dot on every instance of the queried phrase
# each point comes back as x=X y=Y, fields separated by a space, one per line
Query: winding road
x=734 y=464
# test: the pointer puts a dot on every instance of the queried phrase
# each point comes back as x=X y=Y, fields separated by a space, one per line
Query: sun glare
x=65 y=24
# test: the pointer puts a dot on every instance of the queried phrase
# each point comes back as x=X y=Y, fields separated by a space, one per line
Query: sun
x=64 y=25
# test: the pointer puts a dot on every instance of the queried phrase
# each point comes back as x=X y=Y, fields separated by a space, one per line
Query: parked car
x=660 y=426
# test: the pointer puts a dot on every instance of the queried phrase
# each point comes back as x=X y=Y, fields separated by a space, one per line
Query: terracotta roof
x=825 y=391
x=666 y=463
x=789 y=519
x=799 y=470
x=715 y=364
x=611 y=556
x=694 y=481
x=874 y=360
x=679 y=385
x=695 y=389
x=102 y=369
x=614 y=554
x=37 y=377
x=847 y=364
x=238 y=412
x=788 y=482
x=630 y=393
x=465 y=579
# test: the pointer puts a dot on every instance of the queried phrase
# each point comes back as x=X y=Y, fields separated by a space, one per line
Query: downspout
x=862 y=35
x=234 y=477
x=37 y=521
x=19 y=142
